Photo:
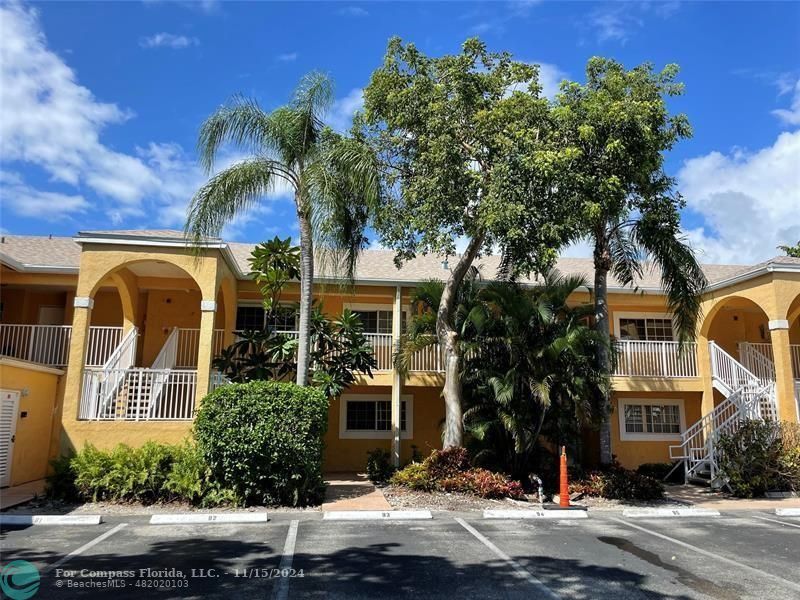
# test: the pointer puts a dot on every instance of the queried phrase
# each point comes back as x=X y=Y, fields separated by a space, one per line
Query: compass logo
x=19 y=580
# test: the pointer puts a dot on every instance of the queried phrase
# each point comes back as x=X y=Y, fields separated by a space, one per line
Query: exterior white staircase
x=747 y=396
x=119 y=391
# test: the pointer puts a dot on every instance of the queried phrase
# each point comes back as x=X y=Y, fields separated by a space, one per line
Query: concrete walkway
x=706 y=498
x=19 y=494
x=352 y=491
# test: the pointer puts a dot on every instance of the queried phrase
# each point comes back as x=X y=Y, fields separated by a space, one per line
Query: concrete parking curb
x=787 y=512
x=50 y=519
x=202 y=518
x=648 y=513
x=372 y=515
x=535 y=514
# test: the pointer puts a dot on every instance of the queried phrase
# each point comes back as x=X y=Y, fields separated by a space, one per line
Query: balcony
x=49 y=344
x=655 y=359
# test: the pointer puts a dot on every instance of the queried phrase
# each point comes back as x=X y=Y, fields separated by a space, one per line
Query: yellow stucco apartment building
x=108 y=337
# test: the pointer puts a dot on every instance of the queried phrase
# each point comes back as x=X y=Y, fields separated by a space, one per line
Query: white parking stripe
x=281 y=590
x=522 y=573
x=786 y=582
x=85 y=547
x=775 y=521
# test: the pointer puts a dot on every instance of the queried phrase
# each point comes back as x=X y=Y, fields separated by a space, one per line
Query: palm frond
x=228 y=193
x=243 y=123
x=681 y=275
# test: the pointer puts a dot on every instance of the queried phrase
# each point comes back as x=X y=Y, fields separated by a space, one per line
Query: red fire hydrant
x=563 y=493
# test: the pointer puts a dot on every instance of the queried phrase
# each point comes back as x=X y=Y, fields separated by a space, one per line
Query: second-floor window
x=646 y=329
x=256 y=318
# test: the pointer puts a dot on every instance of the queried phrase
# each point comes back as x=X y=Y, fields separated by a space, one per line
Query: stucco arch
x=226 y=307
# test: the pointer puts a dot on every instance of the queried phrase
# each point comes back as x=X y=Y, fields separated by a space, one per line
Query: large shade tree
x=464 y=143
x=620 y=126
x=333 y=179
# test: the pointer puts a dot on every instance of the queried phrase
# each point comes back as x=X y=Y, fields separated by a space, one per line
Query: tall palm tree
x=619 y=126
x=333 y=178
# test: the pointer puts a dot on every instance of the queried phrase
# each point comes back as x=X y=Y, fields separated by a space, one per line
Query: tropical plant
x=535 y=373
x=339 y=352
x=272 y=265
x=619 y=127
x=792 y=251
x=333 y=178
x=466 y=153
x=530 y=365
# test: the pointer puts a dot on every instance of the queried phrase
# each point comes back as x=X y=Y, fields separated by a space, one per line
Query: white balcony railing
x=102 y=343
x=132 y=394
x=189 y=344
x=49 y=344
x=655 y=359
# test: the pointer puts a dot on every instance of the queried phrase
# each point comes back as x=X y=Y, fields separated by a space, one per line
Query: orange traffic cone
x=563 y=493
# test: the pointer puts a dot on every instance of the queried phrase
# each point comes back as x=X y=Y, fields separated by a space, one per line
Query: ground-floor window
x=365 y=416
x=650 y=419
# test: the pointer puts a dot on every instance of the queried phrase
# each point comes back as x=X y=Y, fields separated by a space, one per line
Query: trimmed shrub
x=618 y=483
x=415 y=477
x=761 y=456
x=449 y=471
x=262 y=441
x=379 y=465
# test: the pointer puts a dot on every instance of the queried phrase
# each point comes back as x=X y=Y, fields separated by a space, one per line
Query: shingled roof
x=51 y=253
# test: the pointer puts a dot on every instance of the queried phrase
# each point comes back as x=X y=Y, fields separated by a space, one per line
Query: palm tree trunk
x=451 y=349
x=306 y=297
x=602 y=264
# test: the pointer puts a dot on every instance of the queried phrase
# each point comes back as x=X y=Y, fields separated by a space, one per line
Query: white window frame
x=363 y=434
x=618 y=316
x=626 y=436
x=368 y=307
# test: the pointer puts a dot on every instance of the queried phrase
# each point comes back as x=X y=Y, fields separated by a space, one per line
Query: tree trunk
x=602 y=264
x=448 y=341
x=306 y=296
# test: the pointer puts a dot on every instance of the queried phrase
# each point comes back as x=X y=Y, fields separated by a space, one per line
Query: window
x=255 y=318
x=373 y=415
x=363 y=416
x=646 y=328
x=283 y=319
x=249 y=318
x=650 y=420
x=375 y=321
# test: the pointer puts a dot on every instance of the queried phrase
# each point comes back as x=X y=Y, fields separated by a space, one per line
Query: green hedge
x=263 y=441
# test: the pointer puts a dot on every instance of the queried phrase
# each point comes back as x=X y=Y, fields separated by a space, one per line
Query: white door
x=9 y=407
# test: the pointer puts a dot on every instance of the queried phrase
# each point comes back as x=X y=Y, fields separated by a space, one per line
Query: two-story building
x=108 y=337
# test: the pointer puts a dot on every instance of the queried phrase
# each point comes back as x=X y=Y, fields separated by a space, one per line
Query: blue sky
x=101 y=102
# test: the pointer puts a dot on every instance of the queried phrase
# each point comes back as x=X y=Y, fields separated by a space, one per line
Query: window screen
x=654 y=330
x=652 y=418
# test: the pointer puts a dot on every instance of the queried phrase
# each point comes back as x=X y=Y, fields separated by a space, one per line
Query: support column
x=397 y=315
x=705 y=374
x=73 y=387
x=208 y=309
x=784 y=378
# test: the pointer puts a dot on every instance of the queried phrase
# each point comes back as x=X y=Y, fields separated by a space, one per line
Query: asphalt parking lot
x=738 y=555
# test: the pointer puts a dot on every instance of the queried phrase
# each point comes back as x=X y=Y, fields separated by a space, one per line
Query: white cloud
x=550 y=77
x=26 y=201
x=748 y=200
x=52 y=122
x=168 y=40
x=790 y=116
x=618 y=21
x=353 y=11
x=341 y=115
x=287 y=57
